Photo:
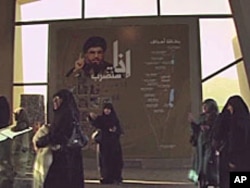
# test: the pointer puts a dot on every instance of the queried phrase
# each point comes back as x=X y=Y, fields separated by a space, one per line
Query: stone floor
x=150 y=178
x=137 y=173
x=133 y=178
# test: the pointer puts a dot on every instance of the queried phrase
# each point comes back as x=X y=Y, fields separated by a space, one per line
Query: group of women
x=63 y=165
x=56 y=164
x=221 y=142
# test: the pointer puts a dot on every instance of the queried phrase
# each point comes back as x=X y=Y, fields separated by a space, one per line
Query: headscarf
x=68 y=109
x=212 y=111
x=68 y=101
x=111 y=119
x=240 y=108
x=211 y=105
x=225 y=119
x=112 y=113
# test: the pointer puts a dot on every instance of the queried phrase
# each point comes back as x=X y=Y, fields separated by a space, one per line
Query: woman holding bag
x=66 y=169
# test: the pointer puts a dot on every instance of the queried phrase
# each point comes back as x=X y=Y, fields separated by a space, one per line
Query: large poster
x=148 y=82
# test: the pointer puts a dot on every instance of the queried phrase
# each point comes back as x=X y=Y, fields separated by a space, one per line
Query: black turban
x=95 y=41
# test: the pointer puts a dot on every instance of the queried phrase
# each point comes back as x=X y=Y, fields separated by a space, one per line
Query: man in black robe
x=93 y=62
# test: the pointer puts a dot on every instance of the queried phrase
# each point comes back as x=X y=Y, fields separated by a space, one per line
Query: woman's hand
x=35 y=147
x=112 y=129
x=205 y=127
x=232 y=166
x=92 y=115
x=190 y=117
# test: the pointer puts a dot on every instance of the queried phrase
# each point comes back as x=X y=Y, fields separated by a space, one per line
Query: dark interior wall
x=158 y=132
x=7 y=20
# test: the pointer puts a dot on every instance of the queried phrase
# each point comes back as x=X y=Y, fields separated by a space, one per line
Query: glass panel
x=31 y=54
x=120 y=8
x=35 y=90
x=221 y=87
x=216 y=36
x=51 y=10
x=178 y=7
x=217 y=51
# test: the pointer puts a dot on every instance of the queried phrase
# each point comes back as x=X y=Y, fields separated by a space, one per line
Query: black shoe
x=106 y=181
x=117 y=182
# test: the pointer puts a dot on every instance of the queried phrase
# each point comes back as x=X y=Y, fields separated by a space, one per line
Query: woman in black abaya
x=66 y=170
x=232 y=138
x=110 y=156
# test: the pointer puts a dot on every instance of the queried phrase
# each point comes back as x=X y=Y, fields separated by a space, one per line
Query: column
x=241 y=15
x=7 y=27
